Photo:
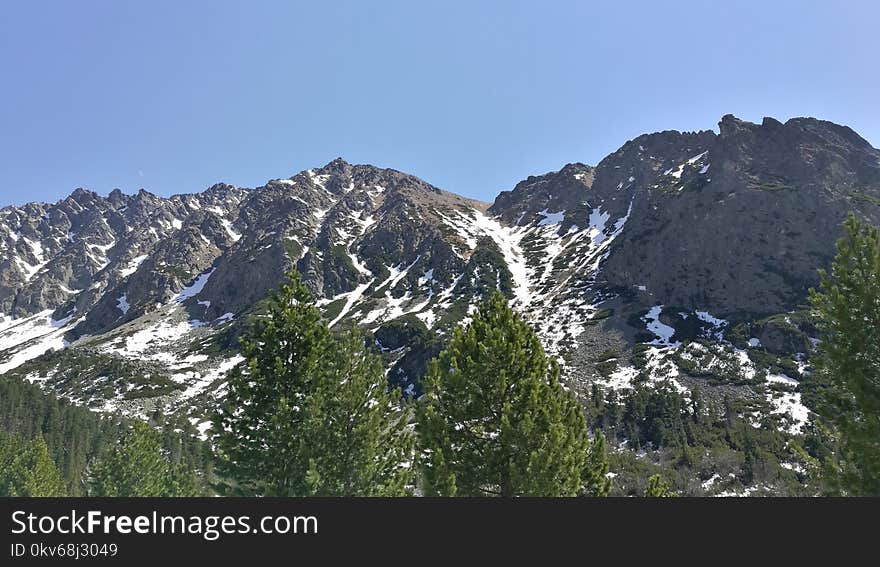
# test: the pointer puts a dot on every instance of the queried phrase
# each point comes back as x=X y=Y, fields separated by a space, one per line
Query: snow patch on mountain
x=662 y=331
x=194 y=288
x=551 y=218
x=508 y=241
x=350 y=298
x=122 y=304
x=150 y=341
x=29 y=337
x=718 y=325
x=198 y=381
x=227 y=226
x=132 y=266
x=789 y=404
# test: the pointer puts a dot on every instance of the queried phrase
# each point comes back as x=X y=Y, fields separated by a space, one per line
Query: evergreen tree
x=496 y=421
x=658 y=488
x=139 y=467
x=594 y=478
x=26 y=469
x=310 y=414
x=848 y=363
x=75 y=436
x=354 y=433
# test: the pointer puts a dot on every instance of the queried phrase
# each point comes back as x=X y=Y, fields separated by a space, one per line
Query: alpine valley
x=681 y=261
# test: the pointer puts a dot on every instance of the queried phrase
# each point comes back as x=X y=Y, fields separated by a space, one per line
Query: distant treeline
x=75 y=437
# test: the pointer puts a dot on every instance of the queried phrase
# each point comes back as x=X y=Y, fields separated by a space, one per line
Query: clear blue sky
x=471 y=96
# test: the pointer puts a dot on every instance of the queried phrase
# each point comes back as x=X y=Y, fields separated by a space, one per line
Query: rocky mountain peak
x=538 y=196
x=84 y=197
x=117 y=198
x=730 y=125
x=338 y=166
x=778 y=191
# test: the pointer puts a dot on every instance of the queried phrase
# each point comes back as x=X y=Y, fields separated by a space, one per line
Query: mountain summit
x=134 y=302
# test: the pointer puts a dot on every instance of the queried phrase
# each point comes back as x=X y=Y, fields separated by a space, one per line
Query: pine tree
x=137 y=466
x=43 y=478
x=74 y=435
x=495 y=420
x=26 y=469
x=259 y=448
x=847 y=308
x=594 y=479
x=357 y=432
x=658 y=488
x=308 y=413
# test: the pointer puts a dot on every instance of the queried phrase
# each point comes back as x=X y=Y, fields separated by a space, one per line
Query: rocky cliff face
x=72 y=254
x=738 y=222
x=675 y=236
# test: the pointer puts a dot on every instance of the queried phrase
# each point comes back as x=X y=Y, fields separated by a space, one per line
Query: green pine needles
x=309 y=413
x=138 y=466
x=847 y=308
x=495 y=420
x=26 y=469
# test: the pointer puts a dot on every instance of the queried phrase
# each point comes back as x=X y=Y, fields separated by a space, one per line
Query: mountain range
x=683 y=257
